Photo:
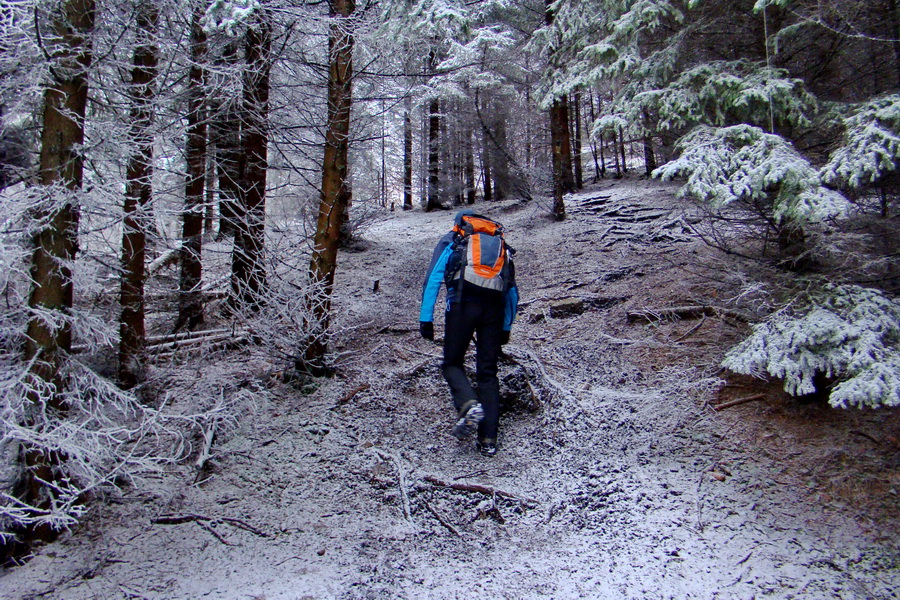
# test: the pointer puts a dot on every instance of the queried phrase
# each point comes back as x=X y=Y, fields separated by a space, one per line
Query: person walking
x=475 y=263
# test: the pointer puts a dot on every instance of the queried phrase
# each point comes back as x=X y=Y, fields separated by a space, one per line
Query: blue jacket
x=435 y=276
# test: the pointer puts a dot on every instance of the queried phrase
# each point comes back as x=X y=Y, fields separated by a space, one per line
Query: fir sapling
x=847 y=333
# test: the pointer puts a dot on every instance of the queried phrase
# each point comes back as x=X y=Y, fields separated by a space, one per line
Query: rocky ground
x=616 y=477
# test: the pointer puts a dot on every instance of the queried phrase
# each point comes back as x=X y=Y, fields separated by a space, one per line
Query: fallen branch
x=481 y=489
x=739 y=401
x=169 y=350
x=441 y=519
x=185 y=335
x=652 y=315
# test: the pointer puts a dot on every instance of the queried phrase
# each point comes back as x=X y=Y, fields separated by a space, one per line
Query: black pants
x=482 y=318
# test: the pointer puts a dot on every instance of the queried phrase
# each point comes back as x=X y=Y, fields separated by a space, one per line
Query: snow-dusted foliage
x=729 y=92
x=847 y=333
x=228 y=15
x=743 y=163
x=871 y=148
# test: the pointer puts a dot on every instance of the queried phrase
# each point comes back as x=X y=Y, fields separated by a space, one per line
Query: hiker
x=476 y=266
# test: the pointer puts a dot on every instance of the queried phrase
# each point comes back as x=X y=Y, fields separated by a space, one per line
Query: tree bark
x=563 y=181
x=226 y=136
x=138 y=192
x=486 y=161
x=470 y=167
x=597 y=173
x=499 y=153
x=61 y=174
x=248 y=269
x=190 y=303
x=335 y=186
x=561 y=150
x=579 y=172
x=434 y=157
x=649 y=154
x=407 y=154
x=622 y=149
x=894 y=19
x=55 y=243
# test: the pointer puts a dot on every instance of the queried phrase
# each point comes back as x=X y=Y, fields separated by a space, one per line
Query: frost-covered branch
x=871 y=148
x=847 y=333
x=743 y=163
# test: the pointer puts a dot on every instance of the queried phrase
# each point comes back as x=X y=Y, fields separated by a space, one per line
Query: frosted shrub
x=847 y=333
x=94 y=435
x=742 y=163
x=871 y=148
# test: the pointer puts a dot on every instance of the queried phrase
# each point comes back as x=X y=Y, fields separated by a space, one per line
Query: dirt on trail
x=616 y=478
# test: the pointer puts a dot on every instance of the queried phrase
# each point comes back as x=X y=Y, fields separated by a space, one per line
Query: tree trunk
x=470 y=167
x=597 y=172
x=579 y=172
x=55 y=243
x=622 y=149
x=649 y=154
x=557 y=125
x=225 y=134
x=335 y=186
x=434 y=157
x=894 y=19
x=407 y=154
x=445 y=177
x=501 y=161
x=248 y=269
x=190 y=303
x=615 y=153
x=486 y=165
x=138 y=191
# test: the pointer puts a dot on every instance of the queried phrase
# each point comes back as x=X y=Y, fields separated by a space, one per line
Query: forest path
x=612 y=490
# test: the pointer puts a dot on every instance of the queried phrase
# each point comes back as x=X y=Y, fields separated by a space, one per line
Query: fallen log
x=653 y=315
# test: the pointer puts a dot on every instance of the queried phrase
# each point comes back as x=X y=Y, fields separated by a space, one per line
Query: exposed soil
x=616 y=478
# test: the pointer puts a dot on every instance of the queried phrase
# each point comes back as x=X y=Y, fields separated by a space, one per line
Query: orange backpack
x=480 y=255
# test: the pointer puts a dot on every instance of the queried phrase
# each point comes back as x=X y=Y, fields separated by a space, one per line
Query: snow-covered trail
x=614 y=483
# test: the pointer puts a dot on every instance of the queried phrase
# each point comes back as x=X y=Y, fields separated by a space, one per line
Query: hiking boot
x=486 y=448
x=468 y=421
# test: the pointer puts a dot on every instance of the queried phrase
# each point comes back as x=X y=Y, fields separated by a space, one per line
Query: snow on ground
x=623 y=485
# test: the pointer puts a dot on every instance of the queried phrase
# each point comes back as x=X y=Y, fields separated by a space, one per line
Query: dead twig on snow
x=652 y=315
x=351 y=394
x=205 y=522
x=739 y=401
x=482 y=489
x=441 y=519
x=692 y=329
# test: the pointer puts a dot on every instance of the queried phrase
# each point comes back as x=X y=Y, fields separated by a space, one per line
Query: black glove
x=504 y=338
x=426 y=330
